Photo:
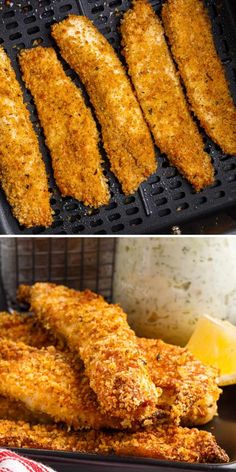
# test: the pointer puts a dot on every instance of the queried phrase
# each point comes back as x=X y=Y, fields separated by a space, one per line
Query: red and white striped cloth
x=12 y=462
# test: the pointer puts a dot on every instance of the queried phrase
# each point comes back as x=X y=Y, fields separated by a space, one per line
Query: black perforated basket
x=166 y=199
x=80 y=263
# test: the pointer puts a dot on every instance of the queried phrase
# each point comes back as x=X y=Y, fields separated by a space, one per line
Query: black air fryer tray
x=166 y=199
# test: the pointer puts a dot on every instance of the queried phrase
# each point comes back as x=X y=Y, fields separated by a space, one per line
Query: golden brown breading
x=188 y=28
x=165 y=442
x=23 y=293
x=17 y=411
x=70 y=130
x=189 y=388
x=24 y=328
x=100 y=334
x=160 y=94
x=46 y=382
x=22 y=171
x=22 y=434
x=126 y=137
x=49 y=383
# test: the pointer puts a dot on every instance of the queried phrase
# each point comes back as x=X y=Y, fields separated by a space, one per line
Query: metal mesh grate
x=77 y=262
x=166 y=198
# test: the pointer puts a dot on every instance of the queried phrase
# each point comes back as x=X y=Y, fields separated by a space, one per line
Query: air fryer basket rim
x=166 y=199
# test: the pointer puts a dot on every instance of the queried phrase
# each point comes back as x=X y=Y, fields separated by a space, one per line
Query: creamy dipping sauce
x=166 y=284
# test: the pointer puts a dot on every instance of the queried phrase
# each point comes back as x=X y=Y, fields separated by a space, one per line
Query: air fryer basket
x=166 y=199
x=77 y=262
x=89 y=263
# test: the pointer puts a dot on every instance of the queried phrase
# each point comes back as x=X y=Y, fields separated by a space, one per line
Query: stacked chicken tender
x=73 y=376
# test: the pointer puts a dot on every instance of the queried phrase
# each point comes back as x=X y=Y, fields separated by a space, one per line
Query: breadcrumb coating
x=22 y=171
x=23 y=293
x=25 y=328
x=69 y=128
x=126 y=137
x=46 y=385
x=189 y=31
x=100 y=334
x=160 y=94
x=189 y=388
x=46 y=382
x=165 y=442
x=23 y=435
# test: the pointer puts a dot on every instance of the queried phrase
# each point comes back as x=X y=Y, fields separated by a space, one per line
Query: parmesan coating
x=126 y=137
x=22 y=171
x=160 y=94
x=100 y=334
x=188 y=28
x=69 y=128
x=165 y=442
x=46 y=382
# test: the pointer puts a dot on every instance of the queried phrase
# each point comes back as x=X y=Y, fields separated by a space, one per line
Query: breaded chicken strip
x=22 y=434
x=165 y=442
x=46 y=382
x=189 y=388
x=160 y=94
x=24 y=293
x=100 y=334
x=51 y=384
x=25 y=328
x=70 y=130
x=22 y=171
x=188 y=28
x=126 y=138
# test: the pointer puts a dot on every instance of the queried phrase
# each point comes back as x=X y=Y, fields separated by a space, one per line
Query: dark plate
x=166 y=199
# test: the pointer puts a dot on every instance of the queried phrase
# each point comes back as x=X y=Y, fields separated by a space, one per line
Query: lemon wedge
x=213 y=342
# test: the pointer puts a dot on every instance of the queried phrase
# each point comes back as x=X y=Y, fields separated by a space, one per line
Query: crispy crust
x=24 y=328
x=22 y=434
x=160 y=94
x=126 y=138
x=46 y=382
x=100 y=334
x=189 y=389
x=23 y=294
x=188 y=28
x=168 y=443
x=69 y=127
x=22 y=171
